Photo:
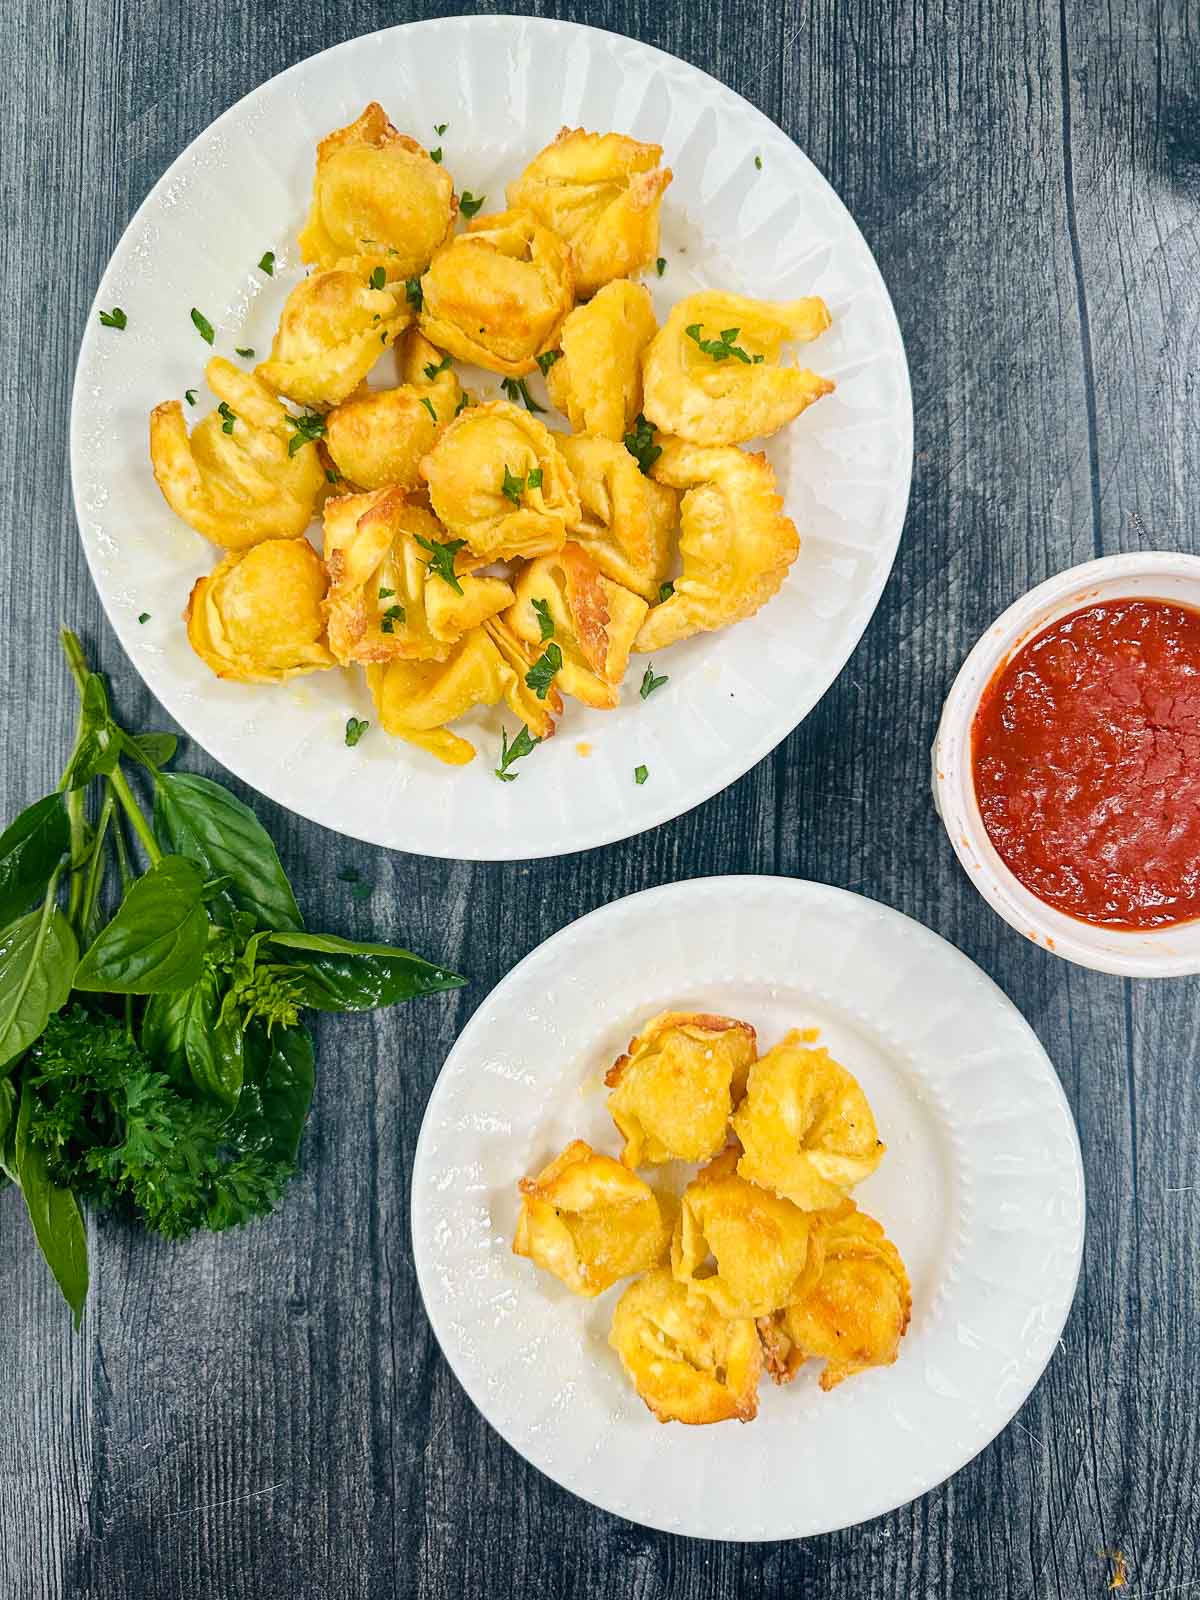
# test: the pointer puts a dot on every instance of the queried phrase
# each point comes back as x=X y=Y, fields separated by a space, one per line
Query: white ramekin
x=1157 y=953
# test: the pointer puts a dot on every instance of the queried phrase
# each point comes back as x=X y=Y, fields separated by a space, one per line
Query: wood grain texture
x=266 y=1414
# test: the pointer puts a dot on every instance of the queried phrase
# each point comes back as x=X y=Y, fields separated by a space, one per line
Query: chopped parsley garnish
x=266 y=263
x=660 y=266
x=545 y=620
x=203 y=326
x=230 y=417
x=665 y=591
x=541 y=674
x=469 y=204
x=144 y=617
x=640 y=774
x=463 y=403
x=378 y=278
x=516 y=389
x=640 y=444
x=432 y=369
x=513 y=487
x=534 y=480
x=393 y=615
x=547 y=359
x=355 y=728
x=650 y=682
x=309 y=426
x=441 y=560
x=190 y=396
x=758 y=162
x=440 y=127
x=245 y=352
x=721 y=349
x=521 y=746
x=428 y=404
x=386 y=594
x=332 y=475
x=115 y=318
x=436 y=155
x=412 y=293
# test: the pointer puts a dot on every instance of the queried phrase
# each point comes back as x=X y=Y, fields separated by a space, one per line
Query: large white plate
x=504 y=85
x=981 y=1188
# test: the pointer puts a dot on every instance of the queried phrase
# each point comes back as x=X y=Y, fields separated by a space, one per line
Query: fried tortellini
x=589 y=1221
x=377 y=194
x=332 y=330
x=597 y=381
x=735 y=543
x=497 y=294
x=626 y=519
x=376 y=440
x=766 y=1249
x=855 y=1314
x=602 y=193
x=673 y=1093
x=805 y=1126
x=385 y=603
x=258 y=617
x=234 y=480
x=595 y=622
x=712 y=374
x=688 y=1362
x=497 y=480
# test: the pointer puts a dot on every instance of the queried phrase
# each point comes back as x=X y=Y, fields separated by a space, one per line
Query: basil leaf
x=8 y=1129
x=197 y=818
x=187 y=1033
x=277 y=1092
x=346 y=975
x=156 y=941
x=98 y=744
x=30 y=849
x=37 y=962
x=54 y=1213
x=153 y=750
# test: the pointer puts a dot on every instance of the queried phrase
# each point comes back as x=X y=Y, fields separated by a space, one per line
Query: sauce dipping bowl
x=1167 y=952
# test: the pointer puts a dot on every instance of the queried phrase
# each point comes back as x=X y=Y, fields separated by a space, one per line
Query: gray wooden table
x=266 y=1414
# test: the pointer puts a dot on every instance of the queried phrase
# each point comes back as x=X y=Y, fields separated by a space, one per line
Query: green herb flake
x=650 y=682
x=515 y=389
x=469 y=204
x=432 y=370
x=202 y=326
x=512 y=488
x=229 y=417
x=412 y=293
x=386 y=594
x=428 y=404
x=541 y=674
x=660 y=266
x=190 y=396
x=332 y=475
x=640 y=444
x=547 y=359
x=758 y=162
x=534 y=480
x=665 y=591
x=640 y=774
x=720 y=349
x=144 y=616
x=440 y=127
x=245 y=351
x=266 y=263
x=436 y=155
x=389 y=619
x=521 y=746
x=309 y=425
x=441 y=562
x=378 y=278
x=115 y=318
x=545 y=620
x=355 y=728
x=463 y=403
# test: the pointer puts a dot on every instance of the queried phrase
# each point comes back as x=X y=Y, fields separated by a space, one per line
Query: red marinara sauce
x=1086 y=757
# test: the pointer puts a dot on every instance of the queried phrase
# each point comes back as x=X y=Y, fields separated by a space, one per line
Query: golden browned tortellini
x=855 y=1314
x=386 y=601
x=377 y=193
x=601 y=192
x=416 y=699
x=258 y=616
x=333 y=328
x=234 y=480
x=595 y=621
x=712 y=373
x=735 y=543
x=377 y=439
x=497 y=479
x=805 y=1126
x=673 y=1093
x=687 y=1361
x=497 y=294
x=766 y=1250
x=597 y=381
x=589 y=1221
x=626 y=519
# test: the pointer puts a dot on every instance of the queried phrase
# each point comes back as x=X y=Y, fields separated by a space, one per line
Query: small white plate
x=981 y=1189
x=504 y=86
